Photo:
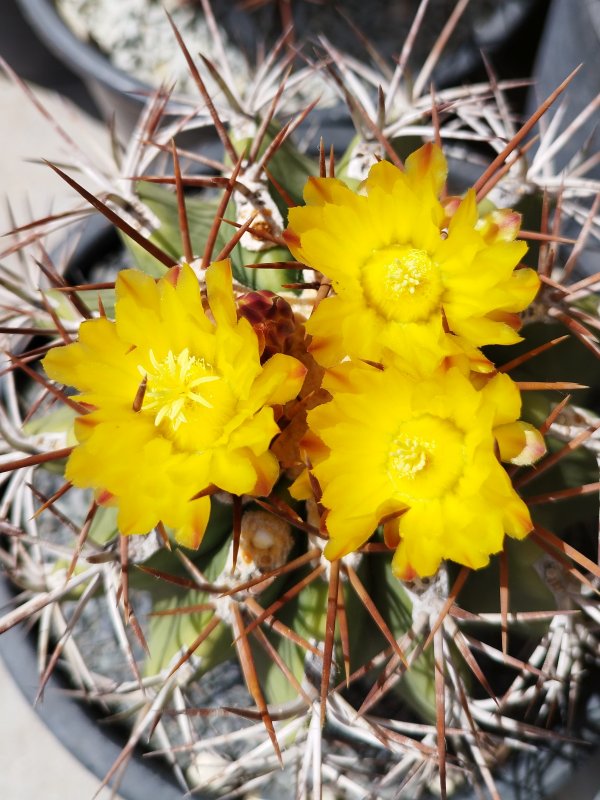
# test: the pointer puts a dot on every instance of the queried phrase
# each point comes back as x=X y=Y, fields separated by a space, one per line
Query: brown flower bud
x=271 y=317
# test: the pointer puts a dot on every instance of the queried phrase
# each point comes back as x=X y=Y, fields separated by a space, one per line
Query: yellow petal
x=502 y=395
x=401 y=566
x=197 y=514
x=427 y=169
x=219 y=287
x=137 y=308
x=516 y=518
x=233 y=471
x=465 y=216
x=501 y=224
x=325 y=326
x=384 y=176
x=522 y=289
x=520 y=443
x=481 y=331
x=319 y=191
x=135 y=515
x=266 y=467
x=280 y=380
x=339 y=247
x=255 y=433
x=347 y=534
x=300 y=220
x=421 y=529
x=190 y=297
x=301 y=488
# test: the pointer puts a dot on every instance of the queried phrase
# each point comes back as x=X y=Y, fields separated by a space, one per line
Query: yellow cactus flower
x=179 y=401
x=415 y=280
x=419 y=456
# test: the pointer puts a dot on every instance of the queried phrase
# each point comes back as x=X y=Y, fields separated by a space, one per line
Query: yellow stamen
x=409 y=457
x=171 y=387
x=425 y=458
x=402 y=283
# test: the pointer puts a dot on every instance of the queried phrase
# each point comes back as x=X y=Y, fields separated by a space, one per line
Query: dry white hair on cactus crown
x=137 y=37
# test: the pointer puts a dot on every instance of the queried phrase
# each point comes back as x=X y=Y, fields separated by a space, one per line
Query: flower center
x=425 y=458
x=409 y=457
x=175 y=386
x=402 y=283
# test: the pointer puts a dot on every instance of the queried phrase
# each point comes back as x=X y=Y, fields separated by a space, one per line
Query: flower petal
x=191 y=531
x=520 y=443
x=280 y=380
x=426 y=169
x=219 y=287
x=233 y=471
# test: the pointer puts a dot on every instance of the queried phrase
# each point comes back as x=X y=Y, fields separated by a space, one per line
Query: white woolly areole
x=257 y=200
x=362 y=158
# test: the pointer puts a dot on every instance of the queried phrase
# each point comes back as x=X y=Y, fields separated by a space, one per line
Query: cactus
x=333 y=437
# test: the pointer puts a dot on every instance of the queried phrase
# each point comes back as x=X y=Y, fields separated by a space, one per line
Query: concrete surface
x=33 y=764
x=26 y=136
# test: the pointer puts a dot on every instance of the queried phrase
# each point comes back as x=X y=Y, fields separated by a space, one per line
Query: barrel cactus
x=318 y=461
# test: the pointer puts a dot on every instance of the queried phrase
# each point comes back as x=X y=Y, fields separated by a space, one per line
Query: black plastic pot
x=112 y=90
x=122 y=96
x=77 y=726
x=561 y=772
x=558 y=771
x=572 y=37
x=32 y=61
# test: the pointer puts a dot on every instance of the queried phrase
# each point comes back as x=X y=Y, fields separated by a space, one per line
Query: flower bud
x=271 y=317
x=265 y=540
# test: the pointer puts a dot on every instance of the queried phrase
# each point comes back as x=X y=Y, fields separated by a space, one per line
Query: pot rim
x=84 y=58
x=77 y=725
x=79 y=55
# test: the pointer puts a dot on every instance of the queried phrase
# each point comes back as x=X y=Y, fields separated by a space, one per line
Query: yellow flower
x=414 y=280
x=179 y=401
x=423 y=454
